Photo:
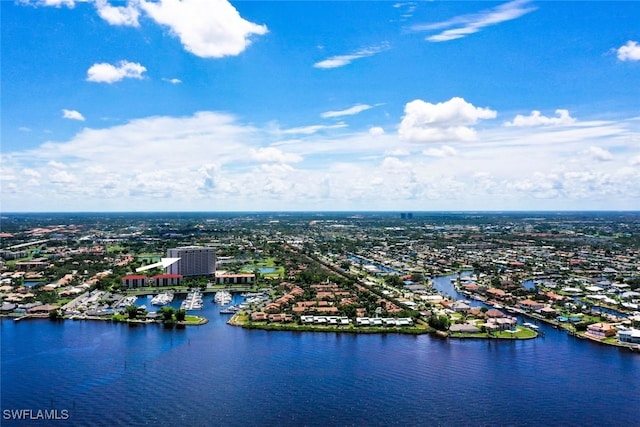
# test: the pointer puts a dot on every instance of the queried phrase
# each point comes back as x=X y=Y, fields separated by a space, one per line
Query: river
x=113 y=374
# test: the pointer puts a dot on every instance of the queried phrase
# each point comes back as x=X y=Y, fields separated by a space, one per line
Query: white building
x=194 y=261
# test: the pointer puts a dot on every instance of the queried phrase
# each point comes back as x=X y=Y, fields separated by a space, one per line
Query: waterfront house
x=504 y=323
x=548 y=312
x=531 y=305
x=491 y=327
x=471 y=287
x=7 y=307
x=258 y=316
x=460 y=307
x=494 y=313
x=629 y=335
x=496 y=293
x=601 y=330
x=363 y=321
x=280 y=317
x=42 y=309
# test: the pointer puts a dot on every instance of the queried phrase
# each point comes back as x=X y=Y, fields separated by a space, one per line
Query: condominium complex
x=194 y=261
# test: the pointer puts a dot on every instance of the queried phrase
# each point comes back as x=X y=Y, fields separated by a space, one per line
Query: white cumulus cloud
x=358 y=108
x=600 y=154
x=342 y=60
x=464 y=25
x=72 y=115
x=31 y=173
x=394 y=164
x=629 y=52
x=273 y=155
x=108 y=73
x=61 y=177
x=450 y=120
x=53 y=3
x=118 y=15
x=444 y=151
x=206 y=28
x=537 y=119
x=376 y=131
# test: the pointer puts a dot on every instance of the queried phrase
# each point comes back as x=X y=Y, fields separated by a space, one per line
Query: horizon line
x=328 y=211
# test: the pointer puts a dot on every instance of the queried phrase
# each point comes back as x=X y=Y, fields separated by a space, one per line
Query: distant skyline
x=209 y=105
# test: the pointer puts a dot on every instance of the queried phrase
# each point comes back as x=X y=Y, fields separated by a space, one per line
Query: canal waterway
x=114 y=374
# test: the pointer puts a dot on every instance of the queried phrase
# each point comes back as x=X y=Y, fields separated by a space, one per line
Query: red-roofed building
x=601 y=330
x=496 y=293
x=162 y=280
x=528 y=304
x=134 y=281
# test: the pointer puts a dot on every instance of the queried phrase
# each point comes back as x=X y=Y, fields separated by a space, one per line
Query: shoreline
x=294 y=327
x=201 y=320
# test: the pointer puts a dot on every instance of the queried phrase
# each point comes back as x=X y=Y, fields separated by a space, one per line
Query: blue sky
x=273 y=105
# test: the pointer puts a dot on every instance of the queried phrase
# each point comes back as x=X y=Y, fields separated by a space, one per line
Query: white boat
x=232 y=309
x=222 y=297
x=193 y=301
x=531 y=326
x=162 y=299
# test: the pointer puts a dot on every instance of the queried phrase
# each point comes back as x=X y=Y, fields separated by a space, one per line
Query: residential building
x=162 y=280
x=194 y=261
x=629 y=335
x=135 y=281
x=601 y=330
x=231 y=278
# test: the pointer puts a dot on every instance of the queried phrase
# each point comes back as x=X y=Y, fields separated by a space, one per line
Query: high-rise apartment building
x=194 y=261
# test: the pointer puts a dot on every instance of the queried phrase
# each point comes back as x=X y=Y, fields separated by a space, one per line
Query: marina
x=193 y=301
x=222 y=297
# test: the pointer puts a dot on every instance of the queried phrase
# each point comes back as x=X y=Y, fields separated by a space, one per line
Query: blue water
x=381 y=267
x=262 y=270
x=113 y=374
x=32 y=284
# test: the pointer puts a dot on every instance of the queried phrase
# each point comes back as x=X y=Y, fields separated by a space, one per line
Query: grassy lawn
x=114 y=248
x=241 y=318
x=521 y=333
x=466 y=335
x=194 y=320
x=149 y=257
x=266 y=263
